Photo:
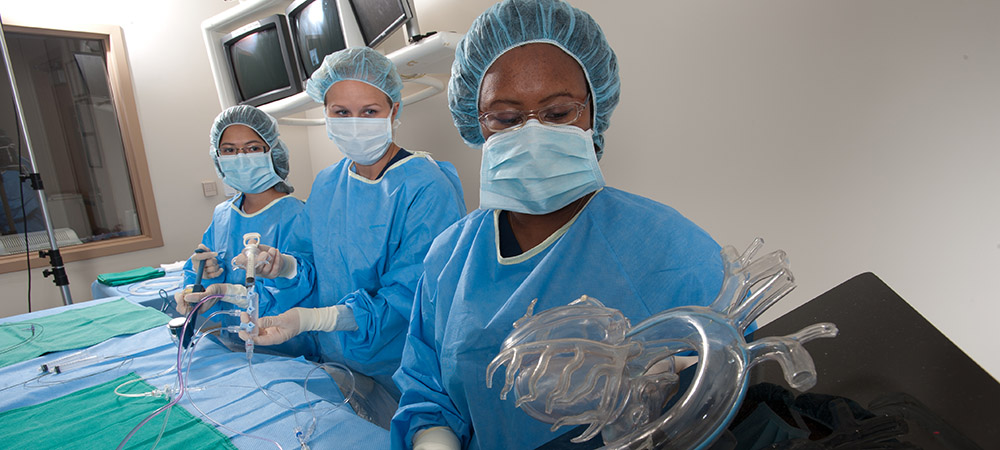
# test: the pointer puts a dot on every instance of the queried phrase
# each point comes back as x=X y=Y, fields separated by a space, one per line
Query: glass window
x=92 y=167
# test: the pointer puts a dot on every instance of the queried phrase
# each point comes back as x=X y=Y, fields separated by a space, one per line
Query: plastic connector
x=303 y=438
x=166 y=391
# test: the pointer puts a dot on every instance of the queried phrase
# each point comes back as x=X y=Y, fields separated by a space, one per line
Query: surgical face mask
x=537 y=169
x=363 y=140
x=250 y=173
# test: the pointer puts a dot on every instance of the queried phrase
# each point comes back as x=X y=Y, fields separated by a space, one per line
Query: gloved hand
x=233 y=293
x=274 y=330
x=271 y=263
x=436 y=438
x=212 y=268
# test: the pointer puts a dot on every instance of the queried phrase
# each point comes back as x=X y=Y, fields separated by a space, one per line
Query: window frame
x=123 y=97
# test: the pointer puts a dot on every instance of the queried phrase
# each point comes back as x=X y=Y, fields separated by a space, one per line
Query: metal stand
x=412 y=27
x=57 y=271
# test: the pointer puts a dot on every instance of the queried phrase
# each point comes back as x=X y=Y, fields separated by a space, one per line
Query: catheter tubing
x=180 y=377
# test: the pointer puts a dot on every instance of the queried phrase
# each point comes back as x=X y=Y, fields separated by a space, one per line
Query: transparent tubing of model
x=584 y=363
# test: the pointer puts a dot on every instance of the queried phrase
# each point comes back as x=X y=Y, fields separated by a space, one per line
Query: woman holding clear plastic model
x=367 y=224
x=249 y=157
x=534 y=83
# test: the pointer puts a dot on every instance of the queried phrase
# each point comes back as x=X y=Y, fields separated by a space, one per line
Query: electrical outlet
x=209 y=188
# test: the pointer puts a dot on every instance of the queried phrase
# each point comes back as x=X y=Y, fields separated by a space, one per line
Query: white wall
x=856 y=135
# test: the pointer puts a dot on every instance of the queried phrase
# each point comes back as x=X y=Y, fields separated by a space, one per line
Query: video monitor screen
x=377 y=19
x=258 y=63
x=316 y=31
x=261 y=57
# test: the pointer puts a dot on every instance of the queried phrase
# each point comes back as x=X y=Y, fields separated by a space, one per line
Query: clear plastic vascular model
x=585 y=364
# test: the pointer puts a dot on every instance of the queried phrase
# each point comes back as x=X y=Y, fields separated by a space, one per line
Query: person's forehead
x=354 y=90
x=534 y=57
x=238 y=132
x=536 y=71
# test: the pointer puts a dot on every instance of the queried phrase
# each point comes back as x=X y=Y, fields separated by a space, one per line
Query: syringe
x=49 y=366
x=71 y=361
x=251 y=250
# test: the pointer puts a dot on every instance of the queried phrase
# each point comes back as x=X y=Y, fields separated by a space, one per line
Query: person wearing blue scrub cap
x=367 y=224
x=534 y=83
x=248 y=155
x=29 y=216
x=359 y=64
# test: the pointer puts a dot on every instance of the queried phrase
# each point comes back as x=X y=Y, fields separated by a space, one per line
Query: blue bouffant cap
x=359 y=64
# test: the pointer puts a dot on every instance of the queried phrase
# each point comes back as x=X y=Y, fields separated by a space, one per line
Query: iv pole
x=55 y=258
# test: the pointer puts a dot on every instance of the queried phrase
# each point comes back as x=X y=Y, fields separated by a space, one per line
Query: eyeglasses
x=512 y=119
x=231 y=150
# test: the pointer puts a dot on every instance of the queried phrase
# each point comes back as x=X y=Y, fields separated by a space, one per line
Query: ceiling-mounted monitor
x=316 y=32
x=377 y=19
x=261 y=61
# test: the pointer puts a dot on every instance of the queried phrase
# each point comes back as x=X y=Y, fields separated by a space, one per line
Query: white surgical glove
x=232 y=293
x=436 y=438
x=271 y=263
x=274 y=330
x=212 y=268
x=181 y=305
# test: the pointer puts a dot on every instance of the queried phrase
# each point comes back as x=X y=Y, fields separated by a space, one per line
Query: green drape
x=96 y=417
x=74 y=328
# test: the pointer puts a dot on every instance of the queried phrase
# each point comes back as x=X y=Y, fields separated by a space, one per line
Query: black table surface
x=887 y=351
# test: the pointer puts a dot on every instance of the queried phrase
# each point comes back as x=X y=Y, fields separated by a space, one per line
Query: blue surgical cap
x=512 y=23
x=360 y=64
x=265 y=126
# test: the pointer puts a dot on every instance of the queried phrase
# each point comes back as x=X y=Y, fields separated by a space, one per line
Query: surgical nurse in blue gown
x=533 y=84
x=367 y=224
x=249 y=157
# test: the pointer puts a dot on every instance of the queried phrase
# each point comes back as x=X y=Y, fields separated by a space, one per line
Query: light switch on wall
x=209 y=188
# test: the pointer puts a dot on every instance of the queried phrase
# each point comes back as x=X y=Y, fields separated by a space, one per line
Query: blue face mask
x=363 y=140
x=250 y=173
x=537 y=169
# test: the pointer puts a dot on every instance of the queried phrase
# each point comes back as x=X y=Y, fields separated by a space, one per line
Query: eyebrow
x=545 y=99
x=334 y=105
x=251 y=141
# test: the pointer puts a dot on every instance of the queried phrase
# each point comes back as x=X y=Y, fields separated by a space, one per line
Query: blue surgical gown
x=225 y=236
x=13 y=186
x=365 y=240
x=631 y=253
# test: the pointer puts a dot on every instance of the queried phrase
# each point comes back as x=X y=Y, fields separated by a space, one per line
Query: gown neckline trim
x=414 y=154
x=261 y=211
x=541 y=246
